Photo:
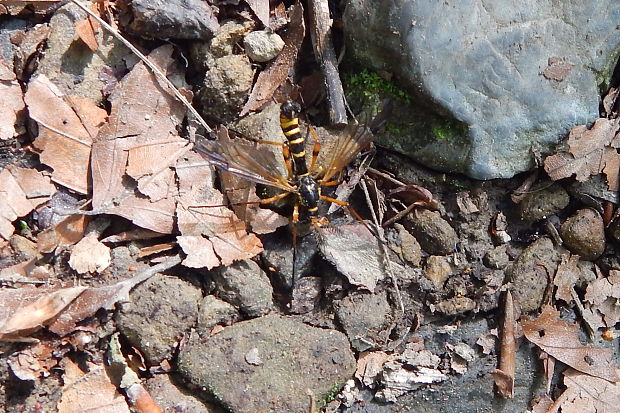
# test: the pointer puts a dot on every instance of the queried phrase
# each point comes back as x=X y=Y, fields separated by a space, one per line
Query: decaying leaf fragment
x=566 y=276
x=11 y=102
x=67 y=126
x=601 y=298
x=560 y=339
x=590 y=152
x=585 y=393
x=21 y=191
x=89 y=391
x=25 y=310
x=90 y=255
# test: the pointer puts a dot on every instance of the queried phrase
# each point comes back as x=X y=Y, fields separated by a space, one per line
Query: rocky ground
x=160 y=298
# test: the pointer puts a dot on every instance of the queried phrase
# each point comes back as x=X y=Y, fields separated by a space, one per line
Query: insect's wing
x=255 y=164
x=349 y=145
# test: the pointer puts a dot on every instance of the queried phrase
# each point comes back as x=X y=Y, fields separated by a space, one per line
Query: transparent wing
x=255 y=164
x=349 y=145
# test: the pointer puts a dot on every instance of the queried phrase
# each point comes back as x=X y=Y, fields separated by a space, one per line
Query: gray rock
x=366 y=319
x=509 y=78
x=226 y=87
x=160 y=310
x=245 y=285
x=172 y=399
x=172 y=19
x=294 y=358
x=584 y=234
x=262 y=46
x=214 y=311
x=542 y=201
x=434 y=234
x=229 y=35
x=496 y=258
x=530 y=272
x=70 y=64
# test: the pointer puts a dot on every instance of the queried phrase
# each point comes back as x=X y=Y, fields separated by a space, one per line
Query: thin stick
x=382 y=243
x=154 y=68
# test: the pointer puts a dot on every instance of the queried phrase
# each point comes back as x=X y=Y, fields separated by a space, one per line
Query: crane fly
x=303 y=182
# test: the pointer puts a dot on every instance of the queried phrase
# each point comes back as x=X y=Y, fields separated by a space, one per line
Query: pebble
x=543 y=200
x=434 y=233
x=262 y=46
x=245 y=285
x=584 y=234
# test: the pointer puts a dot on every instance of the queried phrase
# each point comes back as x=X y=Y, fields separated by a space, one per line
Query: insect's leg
x=329 y=183
x=294 y=221
x=315 y=149
x=352 y=211
x=261 y=202
x=275 y=198
x=286 y=153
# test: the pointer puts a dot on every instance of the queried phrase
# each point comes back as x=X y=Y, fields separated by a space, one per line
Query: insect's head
x=290 y=110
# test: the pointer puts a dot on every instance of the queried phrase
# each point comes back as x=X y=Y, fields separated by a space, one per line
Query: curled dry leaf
x=11 y=102
x=277 y=70
x=67 y=126
x=28 y=309
x=566 y=276
x=90 y=255
x=591 y=151
x=369 y=365
x=602 y=296
x=67 y=232
x=34 y=362
x=22 y=191
x=89 y=391
x=560 y=339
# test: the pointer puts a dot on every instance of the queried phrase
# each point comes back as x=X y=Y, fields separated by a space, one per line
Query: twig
x=154 y=68
x=505 y=376
x=386 y=257
x=320 y=32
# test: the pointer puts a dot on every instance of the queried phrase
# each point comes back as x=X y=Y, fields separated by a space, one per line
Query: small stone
x=496 y=258
x=530 y=272
x=23 y=247
x=158 y=313
x=584 y=234
x=226 y=87
x=434 y=233
x=245 y=285
x=262 y=46
x=365 y=318
x=214 y=311
x=543 y=200
x=438 y=270
x=410 y=248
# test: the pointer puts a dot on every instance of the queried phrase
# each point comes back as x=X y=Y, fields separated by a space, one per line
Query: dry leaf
x=141 y=140
x=369 y=365
x=566 y=276
x=26 y=310
x=210 y=234
x=67 y=232
x=21 y=191
x=89 y=391
x=277 y=70
x=66 y=132
x=34 y=362
x=591 y=151
x=86 y=30
x=90 y=255
x=261 y=10
x=560 y=339
x=355 y=252
x=602 y=295
x=589 y=394
x=11 y=102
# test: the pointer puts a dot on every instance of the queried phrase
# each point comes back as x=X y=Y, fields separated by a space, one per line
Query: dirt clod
x=584 y=234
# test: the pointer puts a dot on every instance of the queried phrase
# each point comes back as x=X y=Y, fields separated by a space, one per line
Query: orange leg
x=286 y=153
x=329 y=183
x=315 y=154
x=294 y=221
x=349 y=208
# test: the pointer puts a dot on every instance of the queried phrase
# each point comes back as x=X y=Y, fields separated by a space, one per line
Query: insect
x=304 y=183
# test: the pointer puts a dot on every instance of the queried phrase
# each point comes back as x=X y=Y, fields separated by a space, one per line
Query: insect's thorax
x=309 y=193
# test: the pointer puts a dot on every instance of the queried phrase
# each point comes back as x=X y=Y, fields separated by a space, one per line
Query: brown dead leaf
x=11 y=102
x=260 y=9
x=21 y=191
x=67 y=232
x=33 y=362
x=560 y=339
x=602 y=295
x=566 y=276
x=585 y=393
x=591 y=151
x=25 y=272
x=557 y=69
x=28 y=309
x=87 y=30
x=89 y=391
x=89 y=255
x=369 y=365
x=210 y=234
x=140 y=140
x=67 y=126
x=277 y=70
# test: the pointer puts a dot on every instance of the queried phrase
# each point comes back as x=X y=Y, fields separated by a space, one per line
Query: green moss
x=369 y=86
x=333 y=392
x=448 y=130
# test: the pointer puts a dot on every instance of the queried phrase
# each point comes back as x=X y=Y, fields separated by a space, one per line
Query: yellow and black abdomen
x=289 y=122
